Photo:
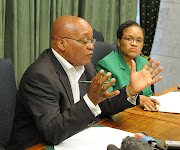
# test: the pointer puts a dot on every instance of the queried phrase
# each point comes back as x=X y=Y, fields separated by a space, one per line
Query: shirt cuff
x=94 y=109
x=133 y=101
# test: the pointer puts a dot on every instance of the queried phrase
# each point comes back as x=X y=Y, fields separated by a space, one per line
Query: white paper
x=94 y=138
x=170 y=102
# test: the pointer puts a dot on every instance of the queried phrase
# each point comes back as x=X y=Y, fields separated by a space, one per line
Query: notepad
x=170 y=102
x=94 y=138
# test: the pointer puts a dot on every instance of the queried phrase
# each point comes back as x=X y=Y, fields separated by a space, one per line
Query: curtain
x=26 y=24
x=106 y=15
x=2 y=26
x=148 y=20
x=28 y=28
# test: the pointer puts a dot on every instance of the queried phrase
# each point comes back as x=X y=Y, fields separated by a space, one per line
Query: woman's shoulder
x=141 y=59
x=111 y=56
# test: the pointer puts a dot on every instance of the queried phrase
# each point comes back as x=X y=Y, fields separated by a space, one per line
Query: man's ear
x=61 y=44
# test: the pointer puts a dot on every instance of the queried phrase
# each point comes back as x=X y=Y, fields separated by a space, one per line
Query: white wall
x=166 y=46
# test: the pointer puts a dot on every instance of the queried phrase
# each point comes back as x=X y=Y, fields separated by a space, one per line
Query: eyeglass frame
x=93 y=41
x=142 y=41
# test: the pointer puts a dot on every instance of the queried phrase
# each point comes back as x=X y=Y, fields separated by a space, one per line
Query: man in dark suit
x=52 y=105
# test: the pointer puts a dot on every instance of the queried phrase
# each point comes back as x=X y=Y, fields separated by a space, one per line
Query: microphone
x=112 y=147
x=149 y=140
x=131 y=143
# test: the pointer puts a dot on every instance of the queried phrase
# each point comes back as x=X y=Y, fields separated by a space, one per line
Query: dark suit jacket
x=98 y=35
x=45 y=110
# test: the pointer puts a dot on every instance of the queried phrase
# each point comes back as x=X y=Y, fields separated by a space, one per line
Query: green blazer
x=116 y=64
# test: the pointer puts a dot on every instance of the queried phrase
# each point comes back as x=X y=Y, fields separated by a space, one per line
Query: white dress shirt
x=74 y=74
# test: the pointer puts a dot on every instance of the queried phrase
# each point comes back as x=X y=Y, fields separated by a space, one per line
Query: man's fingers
x=98 y=76
x=146 y=107
x=104 y=78
x=151 y=107
x=157 y=72
x=156 y=80
x=149 y=64
x=112 y=94
x=154 y=67
x=99 y=80
x=133 y=66
x=109 y=84
x=155 y=101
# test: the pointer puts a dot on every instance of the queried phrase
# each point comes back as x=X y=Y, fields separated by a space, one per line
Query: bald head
x=68 y=26
x=68 y=36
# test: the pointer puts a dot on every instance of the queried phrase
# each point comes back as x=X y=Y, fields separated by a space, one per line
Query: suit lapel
x=62 y=76
x=83 y=87
x=138 y=63
x=124 y=67
x=88 y=75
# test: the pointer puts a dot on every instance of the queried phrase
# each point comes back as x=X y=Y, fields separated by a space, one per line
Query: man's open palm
x=142 y=79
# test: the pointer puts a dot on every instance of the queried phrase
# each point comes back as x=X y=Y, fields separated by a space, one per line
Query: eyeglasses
x=86 y=42
x=130 y=39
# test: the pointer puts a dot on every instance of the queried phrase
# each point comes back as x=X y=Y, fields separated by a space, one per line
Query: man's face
x=79 y=53
x=131 y=42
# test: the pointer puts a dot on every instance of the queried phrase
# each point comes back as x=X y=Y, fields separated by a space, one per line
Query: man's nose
x=90 y=46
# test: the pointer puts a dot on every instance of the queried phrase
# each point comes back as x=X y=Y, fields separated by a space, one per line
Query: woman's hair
x=125 y=25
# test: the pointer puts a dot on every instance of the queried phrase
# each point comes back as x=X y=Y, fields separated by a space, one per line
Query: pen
x=155 y=103
x=89 y=82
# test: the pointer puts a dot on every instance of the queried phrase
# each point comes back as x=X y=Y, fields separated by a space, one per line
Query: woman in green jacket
x=130 y=40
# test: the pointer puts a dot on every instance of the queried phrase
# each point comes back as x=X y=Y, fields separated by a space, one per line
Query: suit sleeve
x=44 y=101
x=116 y=104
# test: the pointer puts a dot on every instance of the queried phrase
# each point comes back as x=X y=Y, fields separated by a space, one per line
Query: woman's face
x=131 y=43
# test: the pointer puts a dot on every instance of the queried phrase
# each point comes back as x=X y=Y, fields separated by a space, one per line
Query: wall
x=166 y=46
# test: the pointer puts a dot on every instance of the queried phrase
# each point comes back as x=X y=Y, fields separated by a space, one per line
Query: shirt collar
x=65 y=64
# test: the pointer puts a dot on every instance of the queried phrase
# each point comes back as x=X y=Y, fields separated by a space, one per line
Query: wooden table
x=159 y=125
x=162 y=126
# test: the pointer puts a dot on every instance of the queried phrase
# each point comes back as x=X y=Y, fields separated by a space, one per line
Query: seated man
x=52 y=105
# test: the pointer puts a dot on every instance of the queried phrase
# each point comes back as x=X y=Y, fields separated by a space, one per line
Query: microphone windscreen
x=112 y=147
x=134 y=143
